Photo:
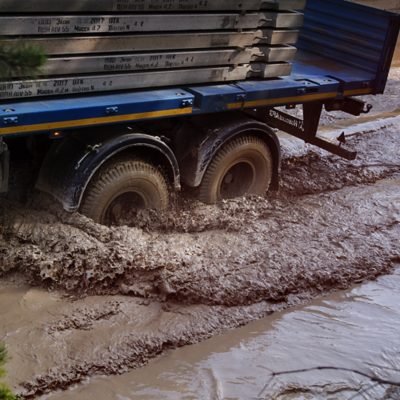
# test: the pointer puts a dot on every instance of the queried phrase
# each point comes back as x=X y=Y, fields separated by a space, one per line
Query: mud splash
x=279 y=256
x=209 y=254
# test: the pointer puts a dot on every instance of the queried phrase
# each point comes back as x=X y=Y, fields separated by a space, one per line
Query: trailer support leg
x=307 y=128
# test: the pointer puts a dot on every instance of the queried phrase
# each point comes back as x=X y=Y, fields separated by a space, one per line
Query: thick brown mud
x=240 y=252
x=356 y=330
x=277 y=256
x=125 y=295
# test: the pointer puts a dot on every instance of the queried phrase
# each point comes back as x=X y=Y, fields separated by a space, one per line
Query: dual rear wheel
x=242 y=167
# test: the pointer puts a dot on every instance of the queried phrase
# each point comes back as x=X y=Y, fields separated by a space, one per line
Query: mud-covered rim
x=237 y=180
x=122 y=204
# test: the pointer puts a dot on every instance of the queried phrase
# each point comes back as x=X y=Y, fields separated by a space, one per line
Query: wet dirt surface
x=175 y=254
x=340 y=330
x=78 y=299
x=252 y=257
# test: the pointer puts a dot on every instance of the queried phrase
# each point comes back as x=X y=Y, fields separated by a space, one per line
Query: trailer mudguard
x=72 y=162
x=211 y=135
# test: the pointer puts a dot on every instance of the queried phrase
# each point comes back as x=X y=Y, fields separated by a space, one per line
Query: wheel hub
x=123 y=205
x=237 y=181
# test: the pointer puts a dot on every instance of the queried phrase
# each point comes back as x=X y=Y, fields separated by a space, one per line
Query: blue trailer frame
x=348 y=54
x=345 y=50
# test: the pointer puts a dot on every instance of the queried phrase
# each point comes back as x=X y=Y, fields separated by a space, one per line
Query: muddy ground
x=79 y=299
x=355 y=329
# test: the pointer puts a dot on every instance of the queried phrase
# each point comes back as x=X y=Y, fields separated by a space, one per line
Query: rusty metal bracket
x=306 y=128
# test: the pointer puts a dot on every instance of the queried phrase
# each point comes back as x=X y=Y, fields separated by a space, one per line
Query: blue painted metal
x=343 y=47
x=85 y=107
x=214 y=98
x=312 y=66
x=350 y=42
x=288 y=87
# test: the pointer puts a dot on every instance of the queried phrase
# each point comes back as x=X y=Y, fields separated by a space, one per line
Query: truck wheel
x=122 y=186
x=242 y=167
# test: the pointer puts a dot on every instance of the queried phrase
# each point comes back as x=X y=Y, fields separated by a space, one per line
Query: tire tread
x=209 y=176
x=113 y=171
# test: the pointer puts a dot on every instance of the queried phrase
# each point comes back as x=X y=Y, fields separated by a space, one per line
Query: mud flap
x=4 y=167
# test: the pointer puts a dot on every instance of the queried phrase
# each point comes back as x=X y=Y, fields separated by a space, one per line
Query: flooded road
x=358 y=329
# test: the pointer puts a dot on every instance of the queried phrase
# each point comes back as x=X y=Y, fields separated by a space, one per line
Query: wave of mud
x=240 y=252
x=196 y=270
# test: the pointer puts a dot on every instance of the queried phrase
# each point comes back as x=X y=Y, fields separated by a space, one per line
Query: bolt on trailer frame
x=345 y=50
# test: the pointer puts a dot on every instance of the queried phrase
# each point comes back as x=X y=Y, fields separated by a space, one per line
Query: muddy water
x=358 y=329
x=190 y=275
x=174 y=254
x=196 y=271
x=320 y=242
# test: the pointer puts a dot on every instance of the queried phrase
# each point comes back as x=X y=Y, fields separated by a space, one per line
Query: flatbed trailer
x=189 y=134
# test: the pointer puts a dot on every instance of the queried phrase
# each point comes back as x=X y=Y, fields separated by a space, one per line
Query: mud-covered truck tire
x=122 y=186
x=244 y=166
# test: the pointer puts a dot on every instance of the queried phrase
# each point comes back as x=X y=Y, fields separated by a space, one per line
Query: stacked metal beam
x=106 y=45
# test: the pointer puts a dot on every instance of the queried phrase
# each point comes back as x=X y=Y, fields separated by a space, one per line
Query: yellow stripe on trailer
x=94 y=121
x=283 y=100
x=357 y=92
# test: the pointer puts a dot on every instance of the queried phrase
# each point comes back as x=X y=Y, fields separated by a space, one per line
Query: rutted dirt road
x=178 y=278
